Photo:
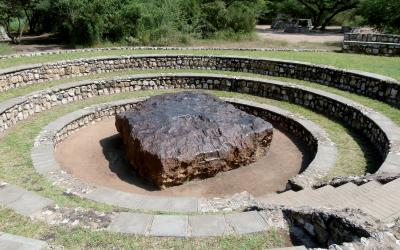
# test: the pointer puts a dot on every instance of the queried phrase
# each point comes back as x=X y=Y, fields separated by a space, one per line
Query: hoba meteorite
x=174 y=138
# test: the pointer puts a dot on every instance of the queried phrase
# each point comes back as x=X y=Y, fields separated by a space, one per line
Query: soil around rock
x=94 y=155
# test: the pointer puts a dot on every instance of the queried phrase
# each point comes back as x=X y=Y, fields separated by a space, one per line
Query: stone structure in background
x=372 y=43
x=174 y=138
x=292 y=25
x=3 y=35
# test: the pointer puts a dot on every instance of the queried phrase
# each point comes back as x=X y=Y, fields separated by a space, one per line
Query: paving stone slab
x=10 y=194
x=131 y=223
x=115 y=197
x=248 y=222
x=13 y=242
x=183 y=205
x=169 y=226
x=142 y=202
x=208 y=225
x=29 y=204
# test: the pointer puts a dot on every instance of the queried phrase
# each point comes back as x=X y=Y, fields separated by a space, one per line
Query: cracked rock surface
x=174 y=138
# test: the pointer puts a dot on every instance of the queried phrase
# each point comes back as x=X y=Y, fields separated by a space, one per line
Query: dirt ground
x=95 y=155
x=265 y=32
x=44 y=42
x=266 y=38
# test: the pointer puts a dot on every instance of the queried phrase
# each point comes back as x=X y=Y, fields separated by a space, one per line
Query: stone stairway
x=375 y=199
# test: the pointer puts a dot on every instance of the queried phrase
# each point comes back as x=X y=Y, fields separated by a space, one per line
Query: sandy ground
x=94 y=154
x=265 y=32
x=268 y=38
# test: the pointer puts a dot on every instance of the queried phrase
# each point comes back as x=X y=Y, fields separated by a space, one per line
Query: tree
x=382 y=14
x=323 y=11
x=11 y=10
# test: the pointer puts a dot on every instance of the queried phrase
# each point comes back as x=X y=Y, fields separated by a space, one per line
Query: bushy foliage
x=157 y=22
x=382 y=14
x=282 y=9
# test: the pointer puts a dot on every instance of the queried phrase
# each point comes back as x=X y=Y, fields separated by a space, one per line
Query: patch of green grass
x=79 y=238
x=16 y=165
x=388 y=66
x=6 y=49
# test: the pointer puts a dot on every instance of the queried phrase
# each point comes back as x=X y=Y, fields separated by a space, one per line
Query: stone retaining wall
x=367 y=84
x=371 y=37
x=381 y=131
x=373 y=44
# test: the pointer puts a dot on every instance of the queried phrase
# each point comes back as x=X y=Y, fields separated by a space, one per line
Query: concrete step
x=392 y=186
x=279 y=199
x=370 y=186
x=317 y=197
x=340 y=194
x=380 y=201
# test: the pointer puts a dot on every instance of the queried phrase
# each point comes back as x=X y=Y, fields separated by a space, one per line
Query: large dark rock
x=174 y=138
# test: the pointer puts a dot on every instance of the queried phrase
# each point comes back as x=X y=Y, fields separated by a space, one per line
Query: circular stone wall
x=45 y=163
x=375 y=86
x=380 y=131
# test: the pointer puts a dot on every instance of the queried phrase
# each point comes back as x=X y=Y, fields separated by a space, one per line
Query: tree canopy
x=161 y=22
x=382 y=14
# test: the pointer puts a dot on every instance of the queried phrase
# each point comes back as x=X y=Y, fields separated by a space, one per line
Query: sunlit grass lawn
x=6 y=49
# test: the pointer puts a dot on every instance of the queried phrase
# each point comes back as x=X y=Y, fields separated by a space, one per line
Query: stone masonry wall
x=22 y=108
x=371 y=85
x=283 y=123
x=374 y=44
x=371 y=37
x=101 y=113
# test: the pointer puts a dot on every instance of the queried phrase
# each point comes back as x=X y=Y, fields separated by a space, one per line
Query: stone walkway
x=34 y=206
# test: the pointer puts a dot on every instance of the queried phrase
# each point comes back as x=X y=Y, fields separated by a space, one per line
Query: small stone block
x=8 y=241
x=207 y=225
x=161 y=204
x=30 y=204
x=130 y=223
x=169 y=226
x=245 y=223
x=10 y=194
x=115 y=198
x=183 y=205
